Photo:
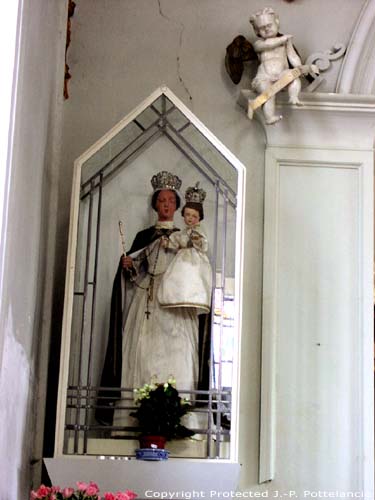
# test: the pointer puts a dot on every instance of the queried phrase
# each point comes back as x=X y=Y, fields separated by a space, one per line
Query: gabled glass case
x=112 y=185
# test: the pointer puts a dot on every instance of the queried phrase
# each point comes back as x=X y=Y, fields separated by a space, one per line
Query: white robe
x=188 y=280
x=164 y=344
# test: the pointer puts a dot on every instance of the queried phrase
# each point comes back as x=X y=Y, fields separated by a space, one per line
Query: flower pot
x=152 y=442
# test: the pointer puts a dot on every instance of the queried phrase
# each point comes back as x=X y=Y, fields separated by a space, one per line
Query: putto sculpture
x=279 y=66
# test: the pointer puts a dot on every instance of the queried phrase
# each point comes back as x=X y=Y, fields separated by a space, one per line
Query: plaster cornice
x=325 y=120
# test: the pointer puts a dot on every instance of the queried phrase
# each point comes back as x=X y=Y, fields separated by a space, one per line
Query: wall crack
x=178 y=59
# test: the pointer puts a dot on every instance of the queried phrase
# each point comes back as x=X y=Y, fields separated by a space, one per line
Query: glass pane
x=115 y=186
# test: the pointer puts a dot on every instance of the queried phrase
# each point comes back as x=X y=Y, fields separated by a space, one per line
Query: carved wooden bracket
x=323 y=61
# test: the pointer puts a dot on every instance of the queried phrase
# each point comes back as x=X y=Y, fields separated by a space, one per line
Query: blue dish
x=151 y=454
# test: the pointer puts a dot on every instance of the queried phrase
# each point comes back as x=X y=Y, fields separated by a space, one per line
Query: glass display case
x=111 y=185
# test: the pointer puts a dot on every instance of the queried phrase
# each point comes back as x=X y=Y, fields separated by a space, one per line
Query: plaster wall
x=24 y=244
x=182 y=44
x=122 y=51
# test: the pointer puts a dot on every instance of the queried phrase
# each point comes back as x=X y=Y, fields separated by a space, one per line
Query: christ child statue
x=188 y=280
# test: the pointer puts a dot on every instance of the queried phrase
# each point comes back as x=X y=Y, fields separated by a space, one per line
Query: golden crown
x=195 y=194
x=165 y=180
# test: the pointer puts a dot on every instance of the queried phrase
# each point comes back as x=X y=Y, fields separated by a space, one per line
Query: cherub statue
x=276 y=55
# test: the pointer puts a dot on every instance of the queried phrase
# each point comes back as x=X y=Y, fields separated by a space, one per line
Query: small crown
x=195 y=194
x=165 y=180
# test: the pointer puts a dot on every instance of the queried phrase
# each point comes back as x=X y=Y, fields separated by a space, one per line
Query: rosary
x=150 y=287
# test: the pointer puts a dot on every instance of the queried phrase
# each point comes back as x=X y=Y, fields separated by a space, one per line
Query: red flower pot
x=152 y=442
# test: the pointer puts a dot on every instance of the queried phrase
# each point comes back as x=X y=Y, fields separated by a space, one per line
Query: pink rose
x=67 y=492
x=43 y=491
x=123 y=495
x=92 y=489
x=33 y=495
x=109 y=496
x=82 y=486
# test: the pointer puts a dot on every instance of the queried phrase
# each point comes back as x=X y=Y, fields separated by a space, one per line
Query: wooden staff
x=122 y=236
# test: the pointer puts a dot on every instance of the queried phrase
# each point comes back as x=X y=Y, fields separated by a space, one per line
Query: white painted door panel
x=317 y=340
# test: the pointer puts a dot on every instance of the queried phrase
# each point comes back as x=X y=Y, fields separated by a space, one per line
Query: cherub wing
x=238 y=52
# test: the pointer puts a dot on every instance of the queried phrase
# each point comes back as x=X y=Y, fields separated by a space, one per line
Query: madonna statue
x=149 y=340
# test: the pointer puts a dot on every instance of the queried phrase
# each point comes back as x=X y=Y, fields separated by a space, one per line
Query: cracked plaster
x=178 y=58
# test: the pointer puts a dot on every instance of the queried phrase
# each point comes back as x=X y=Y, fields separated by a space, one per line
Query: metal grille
x=82 y=403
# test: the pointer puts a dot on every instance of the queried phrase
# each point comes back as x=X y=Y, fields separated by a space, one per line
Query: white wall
x=25 y=241
x=122 y=51
x=137 y=53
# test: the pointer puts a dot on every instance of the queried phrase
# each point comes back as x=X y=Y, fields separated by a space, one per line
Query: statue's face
x=166 y=205
x=191 y=216
x=267 y=26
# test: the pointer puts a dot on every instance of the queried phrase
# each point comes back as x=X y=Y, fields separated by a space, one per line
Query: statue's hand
x=195 y=236
x=164 y=242
x=285 y=38
x=127 y=262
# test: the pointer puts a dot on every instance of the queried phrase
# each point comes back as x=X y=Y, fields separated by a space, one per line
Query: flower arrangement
x=160 y=409
x=83 y=491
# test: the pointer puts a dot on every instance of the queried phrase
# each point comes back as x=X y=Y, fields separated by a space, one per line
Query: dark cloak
x=110 y=381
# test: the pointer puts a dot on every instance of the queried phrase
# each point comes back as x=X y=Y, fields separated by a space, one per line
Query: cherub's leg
x=260 y=85
x=269 y=111
x=294 y=89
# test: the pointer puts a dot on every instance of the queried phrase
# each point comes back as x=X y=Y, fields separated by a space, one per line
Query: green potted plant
x=159 y=413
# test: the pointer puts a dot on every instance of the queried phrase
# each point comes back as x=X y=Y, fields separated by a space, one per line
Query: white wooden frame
x=72 y=246
x=362 y=161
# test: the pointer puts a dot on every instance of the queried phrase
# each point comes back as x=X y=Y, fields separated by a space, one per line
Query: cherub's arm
x=260 y=45
x=292 y=55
